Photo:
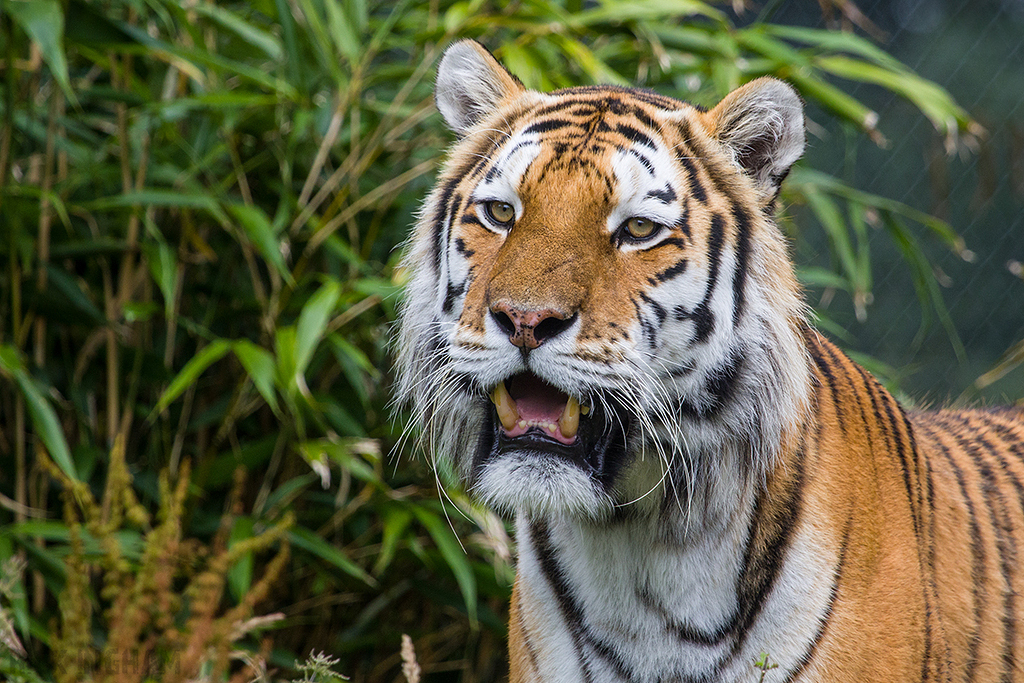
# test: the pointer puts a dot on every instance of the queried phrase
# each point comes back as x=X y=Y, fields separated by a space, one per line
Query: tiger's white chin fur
x=526 y=483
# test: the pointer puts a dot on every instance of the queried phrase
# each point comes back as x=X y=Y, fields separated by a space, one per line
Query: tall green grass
x=200 y=210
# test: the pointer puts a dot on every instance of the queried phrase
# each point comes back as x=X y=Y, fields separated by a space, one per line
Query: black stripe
x=572 y=613
x=703 y=318
x=670 y=242
x=441 y=218
x=882 y=403
x=764 y=557
x=454 y=291
x=669 y=273
x=818 y=353
x=643 y=160
x=719 y=387
x=682 y=632
x=977 y=552
x=1005 y=542
x=826 y=619
x=635 y=135
x=650 y=334
x=683 y=224
x=741 y=221
x=696 y=187
x=496 y=169
x=665 y=196
x=876 y=395
x=549 y=125
x=843 y=364
x=659 y=310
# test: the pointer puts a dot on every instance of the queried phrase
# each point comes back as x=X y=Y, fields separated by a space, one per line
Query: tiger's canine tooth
x=507 y=412
x=569 y=422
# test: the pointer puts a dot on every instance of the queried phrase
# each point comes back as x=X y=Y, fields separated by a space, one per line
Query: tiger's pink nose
x=530 y=329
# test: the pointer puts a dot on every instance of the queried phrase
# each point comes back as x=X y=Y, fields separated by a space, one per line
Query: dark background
x=974 y=49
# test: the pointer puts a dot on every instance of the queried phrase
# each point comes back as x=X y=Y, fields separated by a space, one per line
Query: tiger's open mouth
x=526 y=403
x=533 y=417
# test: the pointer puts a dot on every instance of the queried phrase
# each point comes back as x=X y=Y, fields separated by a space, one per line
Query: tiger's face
x=600 y=304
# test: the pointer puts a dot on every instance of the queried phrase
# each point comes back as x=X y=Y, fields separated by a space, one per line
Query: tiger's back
x=604 y=332
x=951 y=486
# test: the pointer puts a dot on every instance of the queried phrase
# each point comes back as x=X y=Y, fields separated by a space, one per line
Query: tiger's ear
x=762 y=123
x=471 y=84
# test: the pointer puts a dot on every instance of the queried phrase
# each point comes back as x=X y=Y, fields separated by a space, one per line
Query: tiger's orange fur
x=697 y=476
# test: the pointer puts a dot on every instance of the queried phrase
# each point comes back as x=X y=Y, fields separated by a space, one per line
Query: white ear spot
x=762 y=123
x=471 y=84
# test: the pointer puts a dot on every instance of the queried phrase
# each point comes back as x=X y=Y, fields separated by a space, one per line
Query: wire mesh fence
x=976 y=51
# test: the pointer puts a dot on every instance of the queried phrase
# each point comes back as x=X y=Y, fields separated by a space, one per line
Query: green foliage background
x=200 y=207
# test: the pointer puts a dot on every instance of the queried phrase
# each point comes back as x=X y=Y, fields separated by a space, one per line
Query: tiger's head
x=601 y=314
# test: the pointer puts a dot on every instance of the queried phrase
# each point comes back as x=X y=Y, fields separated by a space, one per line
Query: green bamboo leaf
x=163 y=266
x=802 y=176
x=862 y=275
x=344 y=32
x=37 y=528
x=834 y=41
x=293 y=56
x=258 y=38
x=340 y=420
x=356 y=366
x=212 y=353
x=592 y=65
x=621 y=11
x=43 y=22
x=284 y=352
x=259 y=364
x=240 y=574
x=524 y=64
x=689 y=39
x=263 y=236
x=756 y=40
x=320 y=39
x=348 y=454
x=72 y=293
x=44 y=419
x=454 y=555
x=833 y=99
x=313 y=321
x=831 y=219
x=1012 y=358
x=396 y=521
x=289 y=490
x=305 y=539
x=925 y=283
x=189 y=58
x=933 y=101
x=190 y=199
x=814 y=276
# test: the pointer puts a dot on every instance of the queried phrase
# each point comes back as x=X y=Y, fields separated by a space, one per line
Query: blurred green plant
x=201 y=203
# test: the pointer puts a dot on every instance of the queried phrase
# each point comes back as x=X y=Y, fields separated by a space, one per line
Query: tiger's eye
x=501 y=212
x=640 y=228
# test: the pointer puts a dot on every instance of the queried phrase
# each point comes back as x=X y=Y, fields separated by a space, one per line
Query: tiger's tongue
x=536 y=400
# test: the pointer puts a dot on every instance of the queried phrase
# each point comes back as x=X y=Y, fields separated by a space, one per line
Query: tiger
x=604 y=337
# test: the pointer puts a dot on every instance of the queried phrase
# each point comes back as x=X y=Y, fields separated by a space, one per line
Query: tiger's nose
x=530 y=329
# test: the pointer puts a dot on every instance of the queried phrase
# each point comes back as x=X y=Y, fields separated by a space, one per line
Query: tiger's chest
x=620 y=604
